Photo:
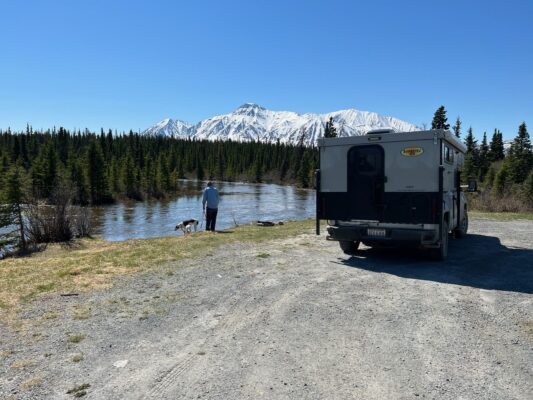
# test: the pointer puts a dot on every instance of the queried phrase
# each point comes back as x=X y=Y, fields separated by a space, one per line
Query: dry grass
x=76 y=338
x=29 y=383
x=21 y=364
x=81 y=312
x=6 y=353
x=91 y=263
x=510 y=202
x=528 y=328
x=500 y=216
x=49 y=315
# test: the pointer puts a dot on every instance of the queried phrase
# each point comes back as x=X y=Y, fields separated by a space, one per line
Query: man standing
x=210 y=206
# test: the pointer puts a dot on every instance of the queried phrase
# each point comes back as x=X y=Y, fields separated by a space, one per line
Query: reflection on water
x=239 y=202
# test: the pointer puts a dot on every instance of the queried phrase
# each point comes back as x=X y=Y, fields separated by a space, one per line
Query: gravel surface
x=292 y=319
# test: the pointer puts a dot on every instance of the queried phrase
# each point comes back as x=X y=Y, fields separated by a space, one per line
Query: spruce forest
x=101 y=168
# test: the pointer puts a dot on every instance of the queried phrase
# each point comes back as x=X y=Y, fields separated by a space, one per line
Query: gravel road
x=293 y=319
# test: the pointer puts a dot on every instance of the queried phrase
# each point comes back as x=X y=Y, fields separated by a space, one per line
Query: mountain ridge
x=251 y=121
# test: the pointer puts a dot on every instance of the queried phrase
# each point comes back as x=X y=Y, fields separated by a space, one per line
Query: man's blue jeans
x=210 y=218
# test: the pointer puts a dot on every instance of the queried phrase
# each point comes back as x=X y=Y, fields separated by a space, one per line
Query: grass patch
x=21 y=364
x=6 y=353
x=79 y=391
x=154 y=310
x=38 y=337
x=76 y=338
x=501 y=216
x=173 y=297
x=528 y=328
x=49 y=315
x=29 y=383
x=92 y=262
x=81 y=313
x=38 y=290
x=77 y=358
x=263 y=255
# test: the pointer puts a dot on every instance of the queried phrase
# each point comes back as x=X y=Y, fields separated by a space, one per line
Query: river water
x=240 y=203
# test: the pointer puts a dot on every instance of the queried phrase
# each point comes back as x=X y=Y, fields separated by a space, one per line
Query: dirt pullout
x=293 y=319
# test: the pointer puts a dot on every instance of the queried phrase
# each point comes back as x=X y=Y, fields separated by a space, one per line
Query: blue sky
x=128 y=64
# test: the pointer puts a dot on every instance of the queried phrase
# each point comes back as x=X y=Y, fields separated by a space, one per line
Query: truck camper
x=392 y=188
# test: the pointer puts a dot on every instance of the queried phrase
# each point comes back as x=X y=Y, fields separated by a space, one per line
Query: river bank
x=89 y=264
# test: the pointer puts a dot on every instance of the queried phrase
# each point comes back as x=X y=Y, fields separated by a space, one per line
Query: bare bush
x=49 y=223
x=81 y=218
x=508 y=202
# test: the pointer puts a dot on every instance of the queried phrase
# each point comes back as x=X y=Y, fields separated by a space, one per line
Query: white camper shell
x=387 y=188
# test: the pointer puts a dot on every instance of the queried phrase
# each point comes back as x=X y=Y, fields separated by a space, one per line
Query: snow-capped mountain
x=253 y=122
x=170 y=127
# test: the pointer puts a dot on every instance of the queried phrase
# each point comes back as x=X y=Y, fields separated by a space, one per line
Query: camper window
x=448 y=154
x=367 y=164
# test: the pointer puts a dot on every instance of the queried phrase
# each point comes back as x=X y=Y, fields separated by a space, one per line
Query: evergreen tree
x=520 y=156
x=115 y=182
x=97 y=178
x=45 y=171
x=489 y=178
x=79 y=182
x=457 y=127
x=440 y=120
x=14 y=197
x=483 y=162
x=4 y=167
x=471 y=164
x=283 y=169
x=304 y=170
x=129 y=174
x=258 y=170
x=330 y=131
x=500 y=182
x=200 y=172
x=496 y=150
x=527 y=190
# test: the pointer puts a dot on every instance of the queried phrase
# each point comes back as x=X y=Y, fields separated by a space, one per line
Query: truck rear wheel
x=349 y=247
x=461 y=230
x=441 y=253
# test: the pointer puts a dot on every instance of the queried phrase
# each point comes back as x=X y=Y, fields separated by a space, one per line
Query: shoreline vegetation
x=89 y=264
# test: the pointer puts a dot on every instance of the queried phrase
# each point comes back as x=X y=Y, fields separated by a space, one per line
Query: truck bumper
x=393 y=236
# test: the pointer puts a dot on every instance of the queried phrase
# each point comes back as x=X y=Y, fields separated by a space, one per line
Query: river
x=240 y=203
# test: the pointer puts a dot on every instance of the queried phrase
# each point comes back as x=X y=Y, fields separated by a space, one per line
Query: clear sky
x=128 y=64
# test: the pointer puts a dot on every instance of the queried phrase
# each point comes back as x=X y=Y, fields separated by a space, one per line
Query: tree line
x=104 y=167
x=506 y=177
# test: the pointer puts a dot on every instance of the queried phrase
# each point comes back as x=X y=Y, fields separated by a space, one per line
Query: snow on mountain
x=253 y=122
x=169 y=127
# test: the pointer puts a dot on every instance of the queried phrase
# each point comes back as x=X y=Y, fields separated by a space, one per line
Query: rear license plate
x=376 y=232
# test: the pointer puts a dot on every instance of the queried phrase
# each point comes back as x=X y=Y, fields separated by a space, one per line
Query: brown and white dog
x=187 y=226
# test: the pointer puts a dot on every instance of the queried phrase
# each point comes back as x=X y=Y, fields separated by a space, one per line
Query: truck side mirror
x=472 y=186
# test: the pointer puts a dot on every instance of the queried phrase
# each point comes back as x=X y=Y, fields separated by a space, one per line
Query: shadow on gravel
x=476 y=260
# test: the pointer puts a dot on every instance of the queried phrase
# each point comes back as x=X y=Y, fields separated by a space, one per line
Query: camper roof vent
x=380 y=131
